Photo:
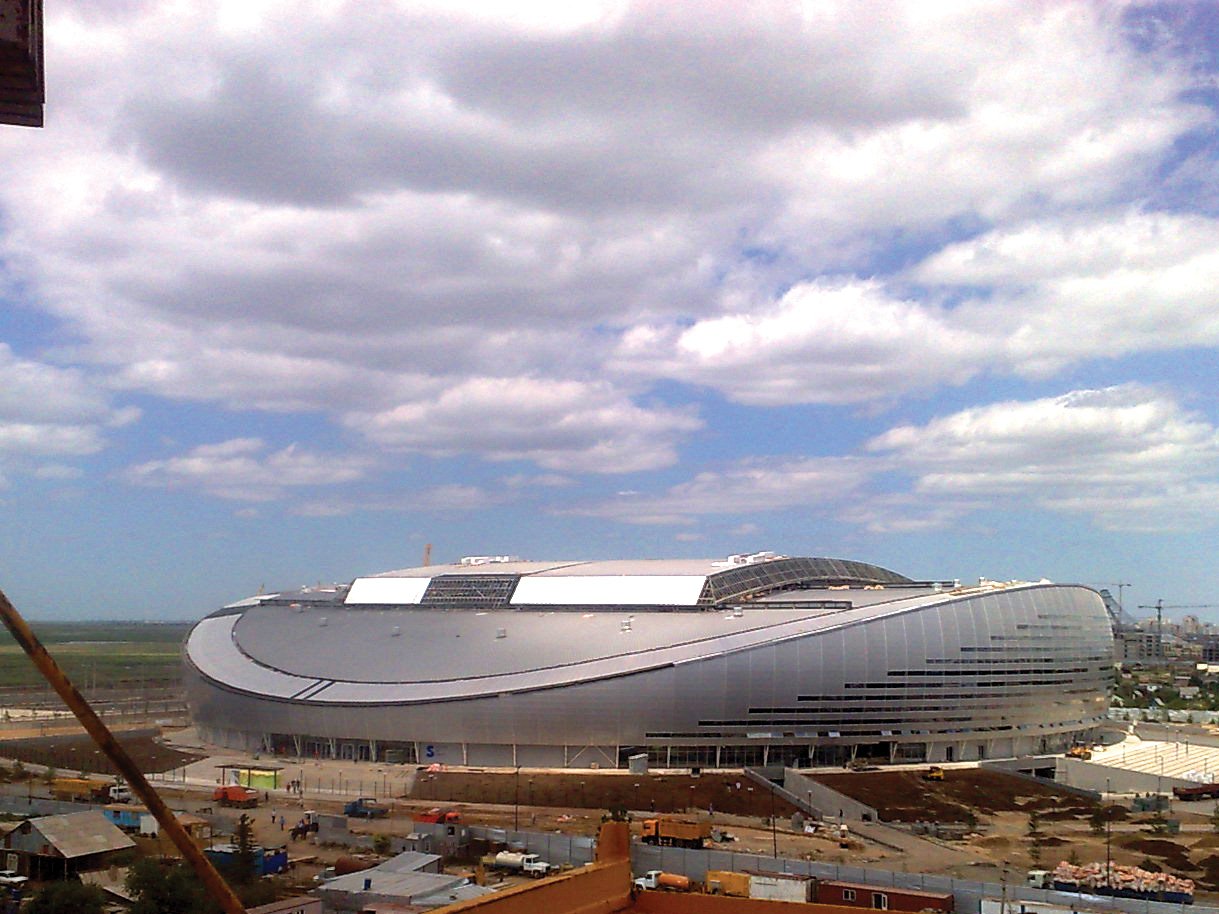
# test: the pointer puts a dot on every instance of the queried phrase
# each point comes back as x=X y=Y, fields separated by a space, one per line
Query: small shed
x=54 y=847
x=258 y=777
x=413 y=862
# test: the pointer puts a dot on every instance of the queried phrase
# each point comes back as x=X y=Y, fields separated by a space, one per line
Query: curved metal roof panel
x=355 y=658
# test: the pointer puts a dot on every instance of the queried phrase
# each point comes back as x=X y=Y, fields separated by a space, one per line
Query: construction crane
x=1159 y=606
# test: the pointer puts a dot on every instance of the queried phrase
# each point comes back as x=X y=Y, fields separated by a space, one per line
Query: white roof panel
x=387 y=591
x=604 y=590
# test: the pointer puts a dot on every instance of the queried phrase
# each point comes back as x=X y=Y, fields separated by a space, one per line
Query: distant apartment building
x=1210 y=649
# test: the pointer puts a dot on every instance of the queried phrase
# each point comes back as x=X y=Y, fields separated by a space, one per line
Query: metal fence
x=554 y=848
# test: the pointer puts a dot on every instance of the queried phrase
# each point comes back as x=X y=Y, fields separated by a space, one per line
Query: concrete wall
x=601 y=888
x=677 y=903
x=829 y=802
x=1078 y=773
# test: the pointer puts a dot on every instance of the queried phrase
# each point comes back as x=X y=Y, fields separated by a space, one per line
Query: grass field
x=104 y=654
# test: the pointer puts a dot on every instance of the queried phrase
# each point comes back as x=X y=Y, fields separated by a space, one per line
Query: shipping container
x=882 y=897
x=781 y=887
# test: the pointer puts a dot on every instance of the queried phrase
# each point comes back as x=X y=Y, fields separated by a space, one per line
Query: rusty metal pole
x=212 y=881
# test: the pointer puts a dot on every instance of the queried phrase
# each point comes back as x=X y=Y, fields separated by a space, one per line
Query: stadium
x=748 y=660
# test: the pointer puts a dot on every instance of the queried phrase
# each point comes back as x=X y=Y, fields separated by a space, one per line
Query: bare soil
x=78 y=752
x=963 y=795
x=728 y=793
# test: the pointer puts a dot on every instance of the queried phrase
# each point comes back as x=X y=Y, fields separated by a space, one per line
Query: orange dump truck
x=675 y=832
x=235 y=795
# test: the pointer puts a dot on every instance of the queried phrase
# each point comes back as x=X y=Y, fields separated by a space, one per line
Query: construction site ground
x=997 y=846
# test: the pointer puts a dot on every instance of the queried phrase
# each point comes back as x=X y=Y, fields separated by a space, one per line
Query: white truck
x=529 y=864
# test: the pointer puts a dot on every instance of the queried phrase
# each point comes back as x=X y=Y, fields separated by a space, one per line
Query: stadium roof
x=342 y=654
x=486 y=582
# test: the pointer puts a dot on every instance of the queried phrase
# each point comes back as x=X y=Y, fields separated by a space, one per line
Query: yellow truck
x=726 y=882
x=81 y=790
x=675 y=832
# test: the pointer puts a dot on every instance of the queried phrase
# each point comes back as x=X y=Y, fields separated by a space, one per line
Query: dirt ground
x=718 y=792
x=78 y=752
x=964 y=795
x=997 y=845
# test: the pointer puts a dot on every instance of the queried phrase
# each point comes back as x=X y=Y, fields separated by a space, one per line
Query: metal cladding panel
x=387 y=591
x=1020 y=663
x=607 y=590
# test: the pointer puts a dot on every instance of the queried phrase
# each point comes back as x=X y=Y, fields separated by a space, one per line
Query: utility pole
x=1108 y=840
x=774 y=828
x=206 y=873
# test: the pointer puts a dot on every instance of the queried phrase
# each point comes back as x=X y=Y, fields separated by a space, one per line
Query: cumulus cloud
x=1131 y=457
x=830 y=341
x=1085 y=287
x=219 y=220
x=568 y=426
x=751 y=486
x=49 y=411
x=245 y=469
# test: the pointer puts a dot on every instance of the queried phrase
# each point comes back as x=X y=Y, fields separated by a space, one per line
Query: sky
x=289 y=291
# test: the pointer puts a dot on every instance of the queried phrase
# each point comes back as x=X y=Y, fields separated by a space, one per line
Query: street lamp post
x=1108 y=833
x=774 y=829
x=516 y=800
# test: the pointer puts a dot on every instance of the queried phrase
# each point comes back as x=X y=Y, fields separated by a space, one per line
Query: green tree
x=382 y=843
x=167 y=889
x=1096 y=821
x=67 y=898
x=244 y=870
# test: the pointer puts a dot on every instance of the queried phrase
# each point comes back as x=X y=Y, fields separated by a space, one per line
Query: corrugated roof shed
x=387 y=885
x=410 y=862
x=80 y=834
